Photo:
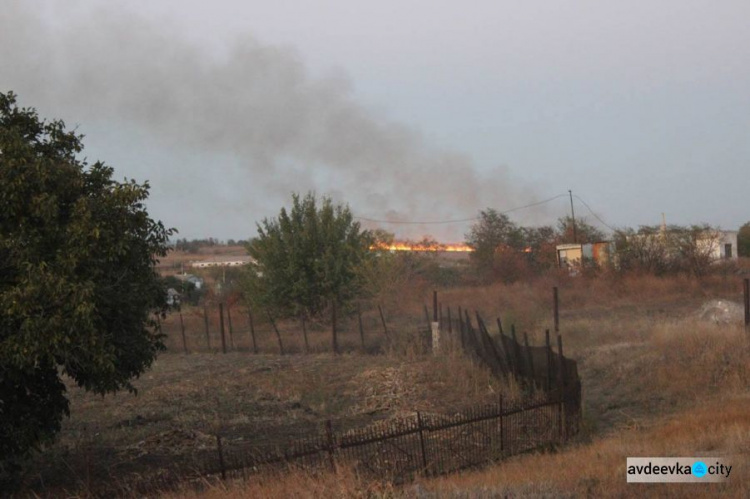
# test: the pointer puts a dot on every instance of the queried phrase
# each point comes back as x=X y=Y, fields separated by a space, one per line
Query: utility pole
x=573 y=216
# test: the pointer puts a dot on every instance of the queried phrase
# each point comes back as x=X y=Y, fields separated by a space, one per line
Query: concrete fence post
x=435 y=324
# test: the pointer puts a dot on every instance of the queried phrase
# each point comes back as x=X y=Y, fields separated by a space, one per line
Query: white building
x=721 y=244
x=235 y=261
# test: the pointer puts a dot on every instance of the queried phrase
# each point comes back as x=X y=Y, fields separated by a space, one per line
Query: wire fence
x=424 y=444
x=394 y=451
x=537 y=367
x=431 y=444
x=232 y=327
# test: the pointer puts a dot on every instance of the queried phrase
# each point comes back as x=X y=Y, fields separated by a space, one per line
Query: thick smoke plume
x=252 y=114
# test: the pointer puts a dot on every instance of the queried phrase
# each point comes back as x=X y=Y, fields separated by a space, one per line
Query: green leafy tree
x=743 y=241
x=78 y=291
x=539 y=244
x=585 y=232
x=307 y=257
x=493 y=233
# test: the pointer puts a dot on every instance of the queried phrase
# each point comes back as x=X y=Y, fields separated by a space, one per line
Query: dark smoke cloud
x=253 y=112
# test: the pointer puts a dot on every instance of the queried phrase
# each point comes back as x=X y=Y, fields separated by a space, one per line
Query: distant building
x=234 y=261
x=716 y=244
x=573 y=256
x=721 y=244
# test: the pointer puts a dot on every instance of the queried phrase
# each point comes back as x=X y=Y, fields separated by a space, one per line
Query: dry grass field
x=257 y=400
x=657 y=381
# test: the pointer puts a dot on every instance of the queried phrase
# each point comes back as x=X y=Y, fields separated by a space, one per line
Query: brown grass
x=584 y=470
x=664 y=413
x=598 y=469
x=295 y=484
x=657 y=382
x=251 y=400
x=638 y=341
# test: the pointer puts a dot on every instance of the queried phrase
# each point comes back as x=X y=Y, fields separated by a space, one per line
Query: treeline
x=315 y=254
x=195 y=245
x=505 y=251
x=674 y=249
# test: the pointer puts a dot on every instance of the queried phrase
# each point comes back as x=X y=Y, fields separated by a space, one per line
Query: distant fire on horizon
x=428 y=246
x=422 y=246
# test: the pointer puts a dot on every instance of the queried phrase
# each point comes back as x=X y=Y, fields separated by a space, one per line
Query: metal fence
x=537 y=367
x=420 y=444
x=427 y=444
x=227 y=327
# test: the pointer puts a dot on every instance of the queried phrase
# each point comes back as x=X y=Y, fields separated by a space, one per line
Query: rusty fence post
x=231 y=329
x=385 y=326
x=182 y=327
x=556 y=307
x=331 y=445
x=276 y=329
x=221 y=328
x=252 y=330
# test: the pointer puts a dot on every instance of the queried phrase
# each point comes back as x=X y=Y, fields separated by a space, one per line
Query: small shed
x=572 y=256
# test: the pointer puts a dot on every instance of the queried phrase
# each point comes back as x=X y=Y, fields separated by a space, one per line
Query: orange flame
x=411 y=246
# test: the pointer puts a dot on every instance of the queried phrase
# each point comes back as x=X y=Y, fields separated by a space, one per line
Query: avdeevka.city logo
x=699 y=469
x=677 y=469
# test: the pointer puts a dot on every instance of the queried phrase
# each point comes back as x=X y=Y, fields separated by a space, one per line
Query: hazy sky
x=407 y=110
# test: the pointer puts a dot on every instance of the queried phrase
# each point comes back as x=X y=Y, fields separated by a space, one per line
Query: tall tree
x=743 y=241
x=307 y=257
x=540 y=244
x=584 y=231
x=78 y=291
x=493 y=231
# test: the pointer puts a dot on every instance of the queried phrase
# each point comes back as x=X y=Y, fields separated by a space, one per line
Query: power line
x=417 y=223
x=531 y=205
x=594 y=214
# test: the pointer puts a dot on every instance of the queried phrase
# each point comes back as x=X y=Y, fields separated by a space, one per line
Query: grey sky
x=406 y=110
